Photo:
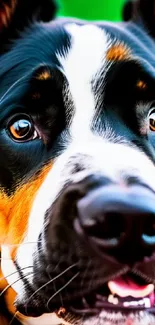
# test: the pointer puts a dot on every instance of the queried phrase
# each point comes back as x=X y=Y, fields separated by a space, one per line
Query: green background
x=92 y=9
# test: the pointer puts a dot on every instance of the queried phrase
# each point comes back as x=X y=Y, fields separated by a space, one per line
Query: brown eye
x=152 y=122
x=22 y=129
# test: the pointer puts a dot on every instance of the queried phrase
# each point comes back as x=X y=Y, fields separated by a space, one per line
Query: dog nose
x=119 y=220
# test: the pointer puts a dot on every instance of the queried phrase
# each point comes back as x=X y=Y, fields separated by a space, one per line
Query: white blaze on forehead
x=84 y=60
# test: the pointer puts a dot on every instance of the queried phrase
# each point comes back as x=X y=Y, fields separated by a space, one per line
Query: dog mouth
x=126 y=293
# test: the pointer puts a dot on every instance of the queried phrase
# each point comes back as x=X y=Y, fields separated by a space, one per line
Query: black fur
x=28 y=49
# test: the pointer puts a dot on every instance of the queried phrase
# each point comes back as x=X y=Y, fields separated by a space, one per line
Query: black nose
x=119 y=220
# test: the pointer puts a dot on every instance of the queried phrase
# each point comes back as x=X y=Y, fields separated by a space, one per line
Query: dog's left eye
x=21 y=129
x=152 y=122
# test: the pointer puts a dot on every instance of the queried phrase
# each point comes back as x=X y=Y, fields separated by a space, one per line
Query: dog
x=77 y=174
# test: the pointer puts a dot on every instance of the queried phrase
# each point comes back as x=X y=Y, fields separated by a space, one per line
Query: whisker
x=66 y=284
x=24 y=268
x=10 y=285
x=50 y=281
x=13 y=318
x=22 y=244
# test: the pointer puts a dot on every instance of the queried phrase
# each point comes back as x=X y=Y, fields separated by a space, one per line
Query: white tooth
x=141 y=302
x=126 y=304
x=130 y=303
x=134 y=303
x=147 y=303
x=115 y=301
x=112 y=300
x=121 y=292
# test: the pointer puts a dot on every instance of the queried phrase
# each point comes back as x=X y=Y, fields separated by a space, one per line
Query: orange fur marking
x=141 y=84
x=44 y=76
x=3 y=217
x=3 y=320
x=9 y=295
x=118 y=53
x=3 y=281
x=14 y=215
x=20 y=207
x=15 y=210
x=7 y=12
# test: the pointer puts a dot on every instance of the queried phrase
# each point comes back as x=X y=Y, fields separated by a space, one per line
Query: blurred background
x=92 y=9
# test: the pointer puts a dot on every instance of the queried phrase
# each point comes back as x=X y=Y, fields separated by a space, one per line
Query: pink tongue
x=126 y=287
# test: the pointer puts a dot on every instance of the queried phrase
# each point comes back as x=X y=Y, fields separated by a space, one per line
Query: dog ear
x=142 y=12
x=16 y=15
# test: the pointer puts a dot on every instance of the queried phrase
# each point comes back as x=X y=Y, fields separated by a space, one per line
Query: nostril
x=116 y=218
x=109 y=225
x=102 y=217
x=108 y=233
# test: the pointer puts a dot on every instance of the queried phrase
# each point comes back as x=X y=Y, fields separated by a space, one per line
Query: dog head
x=77 y=141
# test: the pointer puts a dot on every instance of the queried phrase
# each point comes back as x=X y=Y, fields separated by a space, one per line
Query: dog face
x=77 y=134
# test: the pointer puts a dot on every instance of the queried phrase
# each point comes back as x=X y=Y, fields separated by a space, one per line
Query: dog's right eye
x=21 y=129
x=152 y=122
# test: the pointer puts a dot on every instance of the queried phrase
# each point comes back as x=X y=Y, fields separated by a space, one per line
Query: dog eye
x=22 y=129
x=152 y=122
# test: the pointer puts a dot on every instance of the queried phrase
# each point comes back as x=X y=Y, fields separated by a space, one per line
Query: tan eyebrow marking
x=118 y=53
x=7 y=12
x=141 y=84
x=45 y=75
x=15 y=209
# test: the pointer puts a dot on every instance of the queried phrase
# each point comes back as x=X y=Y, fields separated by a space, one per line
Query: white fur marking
x=85 y=59
x=8 y=267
